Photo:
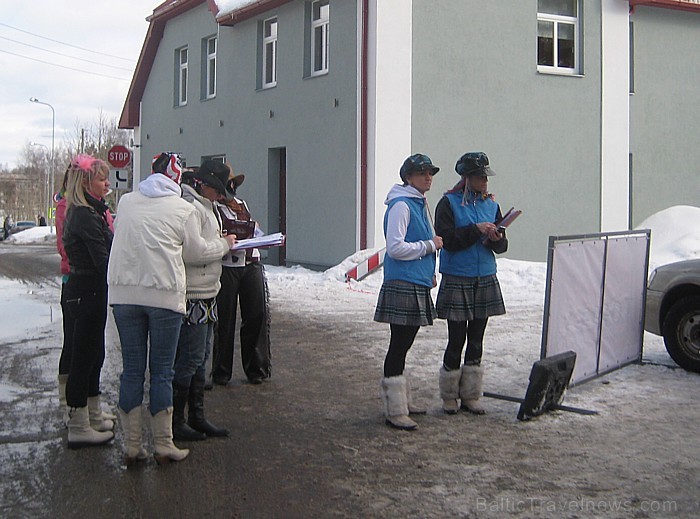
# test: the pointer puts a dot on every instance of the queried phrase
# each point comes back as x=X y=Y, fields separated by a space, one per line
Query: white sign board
x=594 y=302
x=119 y=178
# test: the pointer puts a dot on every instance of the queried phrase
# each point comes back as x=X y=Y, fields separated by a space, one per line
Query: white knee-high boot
x=132 y=427
x=449 y=389
x=80 y=434
x=166 y=451
x=395 y=399
x=471 y=388
x=63 y=405
x=99 y=420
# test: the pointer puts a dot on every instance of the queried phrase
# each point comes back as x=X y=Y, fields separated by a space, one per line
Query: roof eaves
x=681 y=5
x=249 y=11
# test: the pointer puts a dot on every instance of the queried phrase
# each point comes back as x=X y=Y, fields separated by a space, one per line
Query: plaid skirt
x=464 y=299
x=404 y=303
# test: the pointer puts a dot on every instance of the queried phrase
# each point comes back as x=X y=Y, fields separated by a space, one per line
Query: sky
x=76 y=55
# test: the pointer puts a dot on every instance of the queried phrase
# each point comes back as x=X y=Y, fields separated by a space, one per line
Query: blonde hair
x=82 y=170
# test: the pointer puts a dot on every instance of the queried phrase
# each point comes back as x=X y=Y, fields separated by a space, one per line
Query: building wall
x=665 y=110
x=476 y=88
x=314 y=119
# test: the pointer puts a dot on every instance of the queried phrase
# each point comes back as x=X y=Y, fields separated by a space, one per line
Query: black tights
x=458 y=332
x=401 y=341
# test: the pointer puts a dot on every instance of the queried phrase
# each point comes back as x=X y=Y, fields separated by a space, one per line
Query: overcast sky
x=77 y=55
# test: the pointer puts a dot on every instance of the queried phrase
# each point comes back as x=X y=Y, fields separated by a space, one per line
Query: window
x=181 y=86
x=558 y=36
x=209 y=62
x=269 y=53
x=320 y=15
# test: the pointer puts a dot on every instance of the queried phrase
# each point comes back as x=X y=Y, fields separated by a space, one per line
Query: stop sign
x=119 y=156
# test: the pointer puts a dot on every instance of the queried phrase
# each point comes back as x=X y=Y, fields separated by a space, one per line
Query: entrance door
x=277 y=201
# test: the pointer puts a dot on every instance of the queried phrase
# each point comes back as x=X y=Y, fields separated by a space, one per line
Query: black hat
x=214 y=174
x=417 y=162
x=474 y=163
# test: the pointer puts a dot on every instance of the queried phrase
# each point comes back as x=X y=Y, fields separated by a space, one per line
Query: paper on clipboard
x=268 y=240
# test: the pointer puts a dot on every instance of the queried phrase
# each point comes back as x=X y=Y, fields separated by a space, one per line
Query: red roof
x=682 y=5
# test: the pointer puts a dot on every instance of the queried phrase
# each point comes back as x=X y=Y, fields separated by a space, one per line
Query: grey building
x=585 y=108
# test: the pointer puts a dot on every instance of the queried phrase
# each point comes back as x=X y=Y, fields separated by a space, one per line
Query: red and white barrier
x=368 y=266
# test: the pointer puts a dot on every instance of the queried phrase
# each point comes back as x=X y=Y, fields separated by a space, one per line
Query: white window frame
x=182 y=76
x=557 y=21
x=210 y=74
x=322 y=24
x=269 y=52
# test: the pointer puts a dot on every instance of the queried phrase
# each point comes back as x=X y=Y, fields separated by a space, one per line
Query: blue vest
x=477 y=260
x=419 y=271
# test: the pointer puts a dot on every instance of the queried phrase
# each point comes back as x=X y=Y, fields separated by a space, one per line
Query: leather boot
x=166 y=451
x=196 y=419
x=182 y=431
x=470 y=388
x=98 y=419
x=132 y=430
x=449 y=389
x=63 y=405
x=393 y=390
x=80 y=434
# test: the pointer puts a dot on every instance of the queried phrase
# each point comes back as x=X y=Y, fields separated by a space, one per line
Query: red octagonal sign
x=119 y=156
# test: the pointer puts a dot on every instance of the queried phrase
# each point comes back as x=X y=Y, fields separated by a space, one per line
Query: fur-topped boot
x=470 y=388
x=449 y=389
x=413 y=406
x=393 y=390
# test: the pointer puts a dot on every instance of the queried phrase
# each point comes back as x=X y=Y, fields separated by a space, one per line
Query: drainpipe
x=363 y=124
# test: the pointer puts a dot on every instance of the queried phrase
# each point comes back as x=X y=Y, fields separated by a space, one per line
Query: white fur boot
x=470 y=388
x=131 y=427
x=98 y=419
x=80 y=434
x=413 y=407
x=393 y=390
x=449 y=389
x=166 y=451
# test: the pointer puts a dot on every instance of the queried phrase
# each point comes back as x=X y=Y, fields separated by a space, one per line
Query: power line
x=63 y=66
x=65 y=55
x=66 y=44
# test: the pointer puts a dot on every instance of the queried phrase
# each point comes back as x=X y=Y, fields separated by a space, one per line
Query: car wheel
x=681 y=331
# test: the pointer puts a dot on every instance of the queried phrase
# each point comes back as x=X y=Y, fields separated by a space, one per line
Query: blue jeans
x=193 y=350
x=137 y=325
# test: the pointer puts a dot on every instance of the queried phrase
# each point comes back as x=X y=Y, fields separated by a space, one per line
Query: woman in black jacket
x=87 y=239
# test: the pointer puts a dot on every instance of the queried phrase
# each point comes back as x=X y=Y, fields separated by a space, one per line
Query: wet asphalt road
x=273 y=465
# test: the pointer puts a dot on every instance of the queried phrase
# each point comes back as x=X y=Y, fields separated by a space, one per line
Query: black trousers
x=247 y=286
x=68 y=326
x=87 y=307
x=458 y=332
x=402 y=338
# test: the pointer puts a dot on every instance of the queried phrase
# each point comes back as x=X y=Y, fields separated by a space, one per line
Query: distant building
x=587 y=110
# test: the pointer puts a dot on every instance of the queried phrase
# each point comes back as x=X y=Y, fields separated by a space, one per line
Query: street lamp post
x=47 y=188
x=49 y=212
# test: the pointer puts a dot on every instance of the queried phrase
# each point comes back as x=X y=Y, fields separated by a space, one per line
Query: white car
x=673 y=310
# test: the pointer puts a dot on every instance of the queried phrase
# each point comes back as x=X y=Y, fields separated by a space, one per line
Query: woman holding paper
x=466 y=217
x=200 y=187
x=242 y=281
x=409 y=274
